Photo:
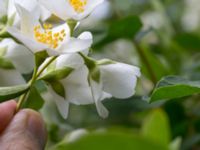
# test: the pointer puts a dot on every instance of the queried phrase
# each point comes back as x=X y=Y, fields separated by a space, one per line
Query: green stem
x=45 y=66
x=36 y=74
x=24 y=96
x=21 y=100
x=146 y=62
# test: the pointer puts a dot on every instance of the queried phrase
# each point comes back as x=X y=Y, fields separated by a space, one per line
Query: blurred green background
x=162 y=37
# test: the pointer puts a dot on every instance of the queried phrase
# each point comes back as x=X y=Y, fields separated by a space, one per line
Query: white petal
x=45 y=14
x=86 y=36
x=61 y=103
x=31 y=5
x=59 y=8
x=82 y=43
x=101 y=109
x=10 y=78
x=77 y=87
x=91 y=5
x=33 y=45
x=96 y=89
x=28 y=20
x=69 y=60
x=3 y=8
x=20 y=56
x=119 y=79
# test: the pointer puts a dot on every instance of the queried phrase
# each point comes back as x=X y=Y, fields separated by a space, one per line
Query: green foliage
x=7 y=93
x=111 y=141
x=156 y=128
x=34 y=100
x=57 y=74
x=174 y=87
x=126 y=27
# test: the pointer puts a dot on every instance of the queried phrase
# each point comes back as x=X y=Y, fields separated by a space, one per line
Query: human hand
x=24 y=130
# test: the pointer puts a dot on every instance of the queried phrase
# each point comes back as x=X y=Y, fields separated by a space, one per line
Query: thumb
x=25 y=131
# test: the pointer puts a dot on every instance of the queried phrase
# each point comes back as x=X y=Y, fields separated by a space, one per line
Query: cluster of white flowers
x=70 y=74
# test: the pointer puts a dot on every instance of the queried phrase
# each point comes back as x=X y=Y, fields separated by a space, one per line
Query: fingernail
x=37 y=128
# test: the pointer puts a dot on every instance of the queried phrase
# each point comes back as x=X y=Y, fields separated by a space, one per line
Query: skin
x=24 y=130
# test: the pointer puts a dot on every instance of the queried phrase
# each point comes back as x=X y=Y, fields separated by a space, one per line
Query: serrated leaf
x=58 y=74
x=156 y=128
x=7 y=93
x=172 y=87
x=35 y=100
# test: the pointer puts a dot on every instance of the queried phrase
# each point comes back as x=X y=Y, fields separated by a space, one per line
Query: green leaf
x=126 y=27
x=40 y=57
x=92 y=65
x=172 y=87
x=188 y=41
x=7 y=93
x=5 y=64
x=58 y=88
x=156 y=128
x=95 y=74
x=35 y=100
x=57 y=74
x=72 y=24
x=110 y=141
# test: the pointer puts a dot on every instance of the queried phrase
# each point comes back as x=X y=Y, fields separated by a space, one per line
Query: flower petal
x=97 y=92
x=3 y=8
x=77 y=87
x=61 y=103
x=91 y=5
x=28 y=20
x=82 y=43
x=59 y=7
x=10 y=78
x=119 y=79
x=69 y=60
x=20 y=56
x=45 y=14
x=27 y=41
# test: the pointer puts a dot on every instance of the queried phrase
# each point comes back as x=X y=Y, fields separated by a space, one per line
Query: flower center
x=78 y=5
x=46 y=36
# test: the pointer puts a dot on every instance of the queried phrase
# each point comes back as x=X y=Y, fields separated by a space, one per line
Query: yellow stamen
x=48 y=37
x=78 y=5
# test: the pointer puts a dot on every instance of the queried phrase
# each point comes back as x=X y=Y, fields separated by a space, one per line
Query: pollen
x=46 y=35
x=78 y=5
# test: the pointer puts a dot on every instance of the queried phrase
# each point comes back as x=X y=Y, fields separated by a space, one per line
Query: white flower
x=71 y=9
x=20 y=56
x=116 y=79
x=76 y=85
x=81 y=88
x=39 y=37
x=31 y=5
